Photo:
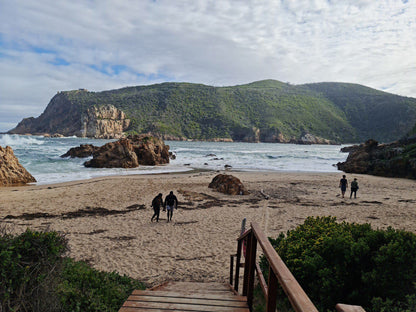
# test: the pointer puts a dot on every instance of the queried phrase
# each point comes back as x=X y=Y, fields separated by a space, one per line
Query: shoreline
x=107 y=219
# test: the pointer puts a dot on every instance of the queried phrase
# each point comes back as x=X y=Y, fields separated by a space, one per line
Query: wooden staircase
x=186 y=296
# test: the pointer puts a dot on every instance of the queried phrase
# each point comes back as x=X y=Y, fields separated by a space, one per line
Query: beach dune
x=107 y=220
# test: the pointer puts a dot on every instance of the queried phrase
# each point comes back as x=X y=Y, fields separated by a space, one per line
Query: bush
x=29 y=264
x=35 y=277
x=351 y=263
x=85 y=289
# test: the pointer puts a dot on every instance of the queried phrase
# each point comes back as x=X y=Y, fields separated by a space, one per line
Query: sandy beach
x=107 y=220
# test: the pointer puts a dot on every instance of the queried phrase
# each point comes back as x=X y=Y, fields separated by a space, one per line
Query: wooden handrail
x=278 y=274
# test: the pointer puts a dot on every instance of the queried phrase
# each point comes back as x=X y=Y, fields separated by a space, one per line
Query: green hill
x=268 y=111
x=373 y=114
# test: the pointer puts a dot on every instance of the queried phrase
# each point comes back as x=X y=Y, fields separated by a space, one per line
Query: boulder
x=150 y=150
x=119 y=154
x=82 y=151
x=11 y=171
x=228 y=184
x=130 y=152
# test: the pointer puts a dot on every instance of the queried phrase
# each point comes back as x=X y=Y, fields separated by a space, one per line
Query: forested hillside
x=373 y=114
x=268 y=111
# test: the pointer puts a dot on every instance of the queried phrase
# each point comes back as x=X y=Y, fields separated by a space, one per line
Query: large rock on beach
x=150 y=150
x=129 y=152
x=228 y=184
x=119 y=154
x=82 y=151
x=397 y=159
x=11 y=171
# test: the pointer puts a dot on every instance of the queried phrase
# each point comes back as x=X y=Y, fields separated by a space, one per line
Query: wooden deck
x=186 y=296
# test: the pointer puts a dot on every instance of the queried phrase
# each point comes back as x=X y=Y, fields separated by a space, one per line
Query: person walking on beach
x=157 y=202
x=354 y=188
x=171 y=202
x=343 y=184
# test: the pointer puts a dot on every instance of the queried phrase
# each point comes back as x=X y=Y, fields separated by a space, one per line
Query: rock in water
x=82 y=151
x=150 y=150
x=119 y=154
x=130 y=153
x=11 y=171
x=228 y=184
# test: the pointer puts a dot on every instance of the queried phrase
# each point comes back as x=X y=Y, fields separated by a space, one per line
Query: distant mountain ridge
x=266 y=111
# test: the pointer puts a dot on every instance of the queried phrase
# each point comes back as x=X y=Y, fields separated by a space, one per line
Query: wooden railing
x=278 y=274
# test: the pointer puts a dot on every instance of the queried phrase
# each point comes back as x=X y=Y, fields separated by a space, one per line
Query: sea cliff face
x=63 y=117
x=106 y=122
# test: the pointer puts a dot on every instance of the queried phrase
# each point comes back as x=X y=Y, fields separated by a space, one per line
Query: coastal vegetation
x=35 y=276
x=267 y=111
x=351 y=263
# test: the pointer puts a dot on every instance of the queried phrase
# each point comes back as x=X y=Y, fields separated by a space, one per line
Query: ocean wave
x=15 y=140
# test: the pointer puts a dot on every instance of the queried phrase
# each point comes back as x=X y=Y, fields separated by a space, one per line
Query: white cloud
x=47 y=46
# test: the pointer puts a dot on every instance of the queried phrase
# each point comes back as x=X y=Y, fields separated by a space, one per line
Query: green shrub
x=29 y=264
x=350 y=263
x=35 y=277
x=85 y=289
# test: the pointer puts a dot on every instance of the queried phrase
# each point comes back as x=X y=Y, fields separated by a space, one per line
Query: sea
x=41 y=156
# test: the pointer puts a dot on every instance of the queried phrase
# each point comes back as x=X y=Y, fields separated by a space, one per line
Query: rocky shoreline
x=397 y=159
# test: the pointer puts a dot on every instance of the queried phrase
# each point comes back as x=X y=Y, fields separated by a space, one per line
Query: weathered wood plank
x=180 y=306
x=348 y=308
x=195 y=287
x=226 y=296
x=187 y=297
x=188 y=300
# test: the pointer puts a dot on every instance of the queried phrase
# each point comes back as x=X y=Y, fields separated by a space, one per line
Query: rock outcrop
x=228 y=184
x=104 y=122
x=397 y=159
x=119 y=154
x=11 y=171
x=130 y=152
x=150 y=150
x=308 y=138
x=65 y=117
x=82 y=151
x=60 y=116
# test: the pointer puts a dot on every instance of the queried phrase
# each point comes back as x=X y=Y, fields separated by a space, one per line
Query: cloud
x=48 y=46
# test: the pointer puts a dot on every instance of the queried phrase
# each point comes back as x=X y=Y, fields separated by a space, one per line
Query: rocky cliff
x=67 y=118
x=105 y=122
x=11 y=171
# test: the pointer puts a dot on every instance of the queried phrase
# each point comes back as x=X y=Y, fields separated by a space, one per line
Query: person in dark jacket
x=343 y=184
x=171 y=202
x=354 y=188
x=157 y=202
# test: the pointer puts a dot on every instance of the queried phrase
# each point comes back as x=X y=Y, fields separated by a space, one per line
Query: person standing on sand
x=171 y=202
x=157 y=202
x=343 y=184
x=354 y=188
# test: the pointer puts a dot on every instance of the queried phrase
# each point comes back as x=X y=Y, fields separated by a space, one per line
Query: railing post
x=237 y=266
x=231 y=269
x=252 y=259
x=247 y=263
x=273 y=284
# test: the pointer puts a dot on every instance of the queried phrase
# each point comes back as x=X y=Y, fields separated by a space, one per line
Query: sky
x=48 y=46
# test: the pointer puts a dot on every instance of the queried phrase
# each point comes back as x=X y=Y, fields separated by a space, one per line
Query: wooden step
x=180 y=296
